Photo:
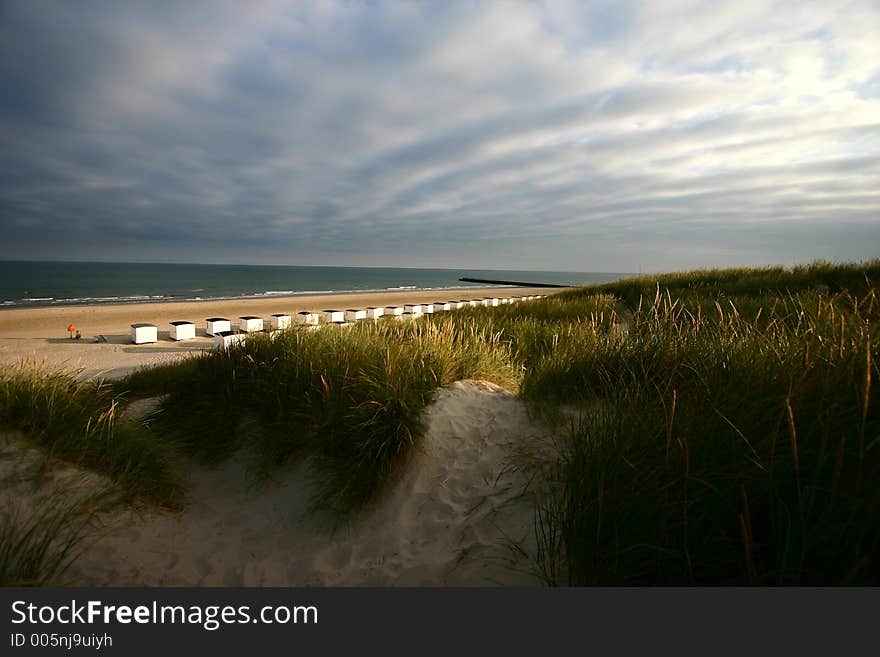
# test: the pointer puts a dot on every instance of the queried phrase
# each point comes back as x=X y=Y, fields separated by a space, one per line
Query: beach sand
x=41 y=333
x=458 y=514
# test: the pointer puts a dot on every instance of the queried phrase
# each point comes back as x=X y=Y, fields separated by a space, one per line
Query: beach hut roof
x=179 y=323
x=249 y=317
x=216 y=319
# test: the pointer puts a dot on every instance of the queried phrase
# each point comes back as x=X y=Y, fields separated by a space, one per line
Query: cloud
x=571 y=135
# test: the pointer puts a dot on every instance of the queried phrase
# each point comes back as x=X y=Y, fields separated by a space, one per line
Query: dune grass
x=152 y=380
x=826 y=277
x=726 y=449
x=78 y=422
x=36 y=548
x=347 y=400
x=534 y=330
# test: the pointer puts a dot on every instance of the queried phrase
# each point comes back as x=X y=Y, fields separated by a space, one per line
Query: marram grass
x=349 y=401
x=78 y=422
x=727 y=449
x=38 y=546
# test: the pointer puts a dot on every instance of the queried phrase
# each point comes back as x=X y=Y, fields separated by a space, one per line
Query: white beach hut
x=182 y=331
x=354 y=315
x=427 y=308
x=280 y=321
x=395 y=311
x=308 y=318
x=375 y=313
x=143 y=333
x=225 y=339
x=492 y=301
x=505 y=301
x=332 y=316
x=250 y=323
x=214 y=325
x=413 y=308
x=461 y=303
x=476 y=303
x=440 y=306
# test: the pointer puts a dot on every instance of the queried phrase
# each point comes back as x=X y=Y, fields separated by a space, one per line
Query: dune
x=458 y=514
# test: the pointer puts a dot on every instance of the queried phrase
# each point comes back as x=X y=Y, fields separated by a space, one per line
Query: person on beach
x=70 y=329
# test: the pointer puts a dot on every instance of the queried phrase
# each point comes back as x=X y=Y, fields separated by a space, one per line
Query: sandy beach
x=41 y=333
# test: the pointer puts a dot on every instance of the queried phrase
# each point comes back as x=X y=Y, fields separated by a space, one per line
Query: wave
x=132 y=298
x=156 y=298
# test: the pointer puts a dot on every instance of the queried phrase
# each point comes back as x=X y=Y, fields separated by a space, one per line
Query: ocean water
x=27 y=284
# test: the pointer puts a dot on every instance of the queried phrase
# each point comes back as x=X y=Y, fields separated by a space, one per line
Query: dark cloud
x=565 y=135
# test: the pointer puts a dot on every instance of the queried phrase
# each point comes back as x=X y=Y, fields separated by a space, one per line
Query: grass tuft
x=349 y=400
x=36 y=548
x=732 y=446
x=78 y=422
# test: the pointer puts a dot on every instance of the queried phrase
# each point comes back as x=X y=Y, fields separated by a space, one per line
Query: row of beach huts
x=221 y=330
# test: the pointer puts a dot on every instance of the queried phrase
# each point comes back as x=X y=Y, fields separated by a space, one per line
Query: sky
x=559 y=135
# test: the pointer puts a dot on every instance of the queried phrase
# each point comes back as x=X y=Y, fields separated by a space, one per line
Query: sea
x=30 y=284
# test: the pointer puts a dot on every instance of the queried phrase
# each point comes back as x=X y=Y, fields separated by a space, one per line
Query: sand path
x=450 y=519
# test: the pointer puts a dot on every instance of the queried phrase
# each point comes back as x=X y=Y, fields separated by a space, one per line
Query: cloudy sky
x=604 y=136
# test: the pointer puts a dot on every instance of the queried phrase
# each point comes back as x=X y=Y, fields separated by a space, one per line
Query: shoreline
x=40 y=333
x=128 y=301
